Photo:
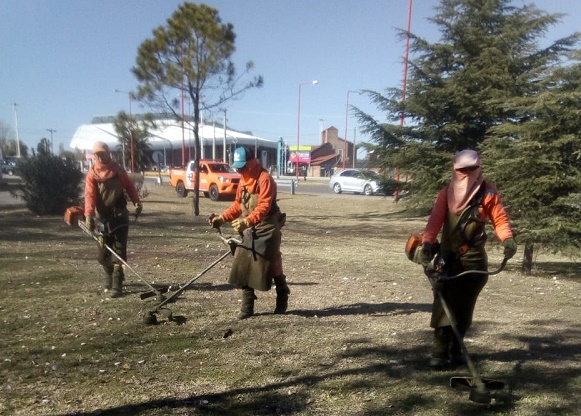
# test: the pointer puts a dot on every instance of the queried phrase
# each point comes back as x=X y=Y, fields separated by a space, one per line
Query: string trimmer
x=480 y=388
x=150 y=317
x=98 y=237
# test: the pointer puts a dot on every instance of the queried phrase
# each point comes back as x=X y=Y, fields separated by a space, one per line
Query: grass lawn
x=355 y=340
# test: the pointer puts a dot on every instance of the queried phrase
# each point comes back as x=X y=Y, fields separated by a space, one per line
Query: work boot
x=108 y=278
x=456 y=356
x=282 y=292
x=247 y=308
x=440 y=348
x=117 y=281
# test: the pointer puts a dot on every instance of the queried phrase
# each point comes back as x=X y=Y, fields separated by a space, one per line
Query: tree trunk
x=196 y=198
x=527 y=263
x=197 y=152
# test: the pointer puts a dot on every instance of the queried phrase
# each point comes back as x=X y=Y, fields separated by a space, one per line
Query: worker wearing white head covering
x=107 y=187
x=466 y=180
x=460 y=212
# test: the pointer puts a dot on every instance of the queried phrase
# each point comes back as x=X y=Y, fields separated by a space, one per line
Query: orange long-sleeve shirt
x=491 y=208
x=256 y=181
x=103 y=173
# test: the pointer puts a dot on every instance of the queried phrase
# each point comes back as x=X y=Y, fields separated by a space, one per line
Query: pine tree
x=536 y=161
x=192 y=55
x=486 y=71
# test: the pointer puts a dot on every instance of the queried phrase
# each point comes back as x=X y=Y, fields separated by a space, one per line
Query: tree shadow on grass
x=275 y=398
x=376 y=309
x=402 y=371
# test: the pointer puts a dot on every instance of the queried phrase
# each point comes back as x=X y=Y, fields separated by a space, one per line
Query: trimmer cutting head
x=150 y=317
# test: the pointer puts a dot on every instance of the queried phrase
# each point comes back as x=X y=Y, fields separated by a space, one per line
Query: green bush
x=49 y=184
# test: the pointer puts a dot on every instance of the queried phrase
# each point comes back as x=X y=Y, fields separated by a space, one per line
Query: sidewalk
x=7 y=200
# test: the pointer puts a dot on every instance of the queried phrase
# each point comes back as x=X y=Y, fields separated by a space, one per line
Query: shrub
x=49 y=184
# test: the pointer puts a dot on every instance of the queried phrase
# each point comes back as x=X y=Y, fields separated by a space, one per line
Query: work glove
x=216 y=221
x=90 y=223
x=240 y=225
x=138 y=209
x=426 y=254
x=509 y=247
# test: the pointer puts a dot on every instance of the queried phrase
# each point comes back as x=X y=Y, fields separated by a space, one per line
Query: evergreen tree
x=49 y=184
x=192 y=55
x=536 y=160
x=486 y=71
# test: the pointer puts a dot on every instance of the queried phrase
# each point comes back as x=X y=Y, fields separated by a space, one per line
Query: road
x=5 y=198
x=316 y=186
x=310 y=186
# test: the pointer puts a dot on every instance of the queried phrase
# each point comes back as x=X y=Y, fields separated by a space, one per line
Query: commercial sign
x=303 y=155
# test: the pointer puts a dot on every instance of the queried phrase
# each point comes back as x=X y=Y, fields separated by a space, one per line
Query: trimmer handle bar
x=430 y=271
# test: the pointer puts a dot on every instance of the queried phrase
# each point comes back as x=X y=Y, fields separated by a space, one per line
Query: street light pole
x=315 y=82
x=346 y=118
x=224 y=140
x=51 y=132
x=17 y=136
x=130 y=96
x=354 y=148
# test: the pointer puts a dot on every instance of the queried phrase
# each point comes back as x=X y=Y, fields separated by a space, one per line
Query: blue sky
x=61 y=60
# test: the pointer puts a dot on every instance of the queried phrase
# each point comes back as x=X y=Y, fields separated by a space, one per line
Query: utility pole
x=224 y=143
x=51 y=146
x=17 y=137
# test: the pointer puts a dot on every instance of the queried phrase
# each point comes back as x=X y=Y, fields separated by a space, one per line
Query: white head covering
x=464 y=185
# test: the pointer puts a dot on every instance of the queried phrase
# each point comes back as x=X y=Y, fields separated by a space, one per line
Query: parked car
x=358 y=181
x=8 y=167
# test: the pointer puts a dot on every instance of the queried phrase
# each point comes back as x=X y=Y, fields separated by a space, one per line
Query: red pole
x=405 y=61
x=183 y=135
x=405 y=76
x=345 y=138
x=131 y=135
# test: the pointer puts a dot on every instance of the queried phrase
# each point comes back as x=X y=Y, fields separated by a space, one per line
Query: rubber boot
x=108 y=278
x=247 y=308
x=440 y=348
x=117 y=284
x=282 y=292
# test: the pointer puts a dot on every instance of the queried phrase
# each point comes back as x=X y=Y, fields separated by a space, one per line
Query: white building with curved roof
x=175 y=142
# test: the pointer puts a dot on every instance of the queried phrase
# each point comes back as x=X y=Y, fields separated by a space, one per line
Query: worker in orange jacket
x=256 y=216
x=460 y=211
x=106 y=187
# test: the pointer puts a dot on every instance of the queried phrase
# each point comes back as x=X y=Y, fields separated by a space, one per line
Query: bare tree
x=191 y=55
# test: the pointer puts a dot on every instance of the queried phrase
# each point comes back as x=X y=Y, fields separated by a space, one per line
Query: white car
x=358 y=181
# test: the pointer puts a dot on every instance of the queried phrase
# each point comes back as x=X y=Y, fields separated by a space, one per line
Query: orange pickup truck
x=216 y=179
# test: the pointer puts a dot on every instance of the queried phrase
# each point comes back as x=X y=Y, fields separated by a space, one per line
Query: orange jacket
x=491 y=207
x=103 y=173
x=255 y=180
